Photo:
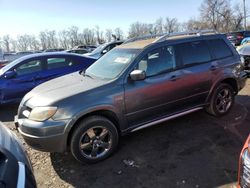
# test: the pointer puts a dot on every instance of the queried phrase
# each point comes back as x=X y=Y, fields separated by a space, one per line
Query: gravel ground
x=196 y=150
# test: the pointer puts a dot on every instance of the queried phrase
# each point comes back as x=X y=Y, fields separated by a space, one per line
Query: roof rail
x=143 y=38
x=164 y=36
x=194 y=32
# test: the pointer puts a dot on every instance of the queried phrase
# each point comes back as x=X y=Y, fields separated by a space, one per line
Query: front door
x=158 y=94
x=26 y=78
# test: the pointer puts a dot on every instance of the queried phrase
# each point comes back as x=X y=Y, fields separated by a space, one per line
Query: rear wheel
x=221 y=101
x=94 y=139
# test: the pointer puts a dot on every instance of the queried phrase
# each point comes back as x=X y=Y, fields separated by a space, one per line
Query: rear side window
x=54 y=63
x=219 y=48
x=194 y=52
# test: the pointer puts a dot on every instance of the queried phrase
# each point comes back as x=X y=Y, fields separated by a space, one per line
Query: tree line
x=219 y=15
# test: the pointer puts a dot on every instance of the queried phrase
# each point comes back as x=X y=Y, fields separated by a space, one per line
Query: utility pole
x=245 y=16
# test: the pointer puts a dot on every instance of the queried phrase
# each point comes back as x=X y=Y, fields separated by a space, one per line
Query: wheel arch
x=230 y=81
x=107 y=113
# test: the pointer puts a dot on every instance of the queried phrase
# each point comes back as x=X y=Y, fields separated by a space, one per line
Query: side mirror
x=10 y=74
x=104 y=51
x=137 y=75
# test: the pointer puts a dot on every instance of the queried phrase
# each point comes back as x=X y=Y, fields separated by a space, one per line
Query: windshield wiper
x=83 y=72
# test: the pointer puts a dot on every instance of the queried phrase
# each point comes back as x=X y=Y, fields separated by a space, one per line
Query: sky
x=19 y=17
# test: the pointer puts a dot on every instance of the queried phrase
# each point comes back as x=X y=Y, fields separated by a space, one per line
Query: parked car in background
x=245 y=41
x=244 y=166
x=236 y=37
x=54 y=50
x=3 y=63
x=20 y=76
x=244 y=51
x=15 y=166
x=78 y=51
x=89 y=48
x=134 y=86
x=11 y=56
x=103 y=49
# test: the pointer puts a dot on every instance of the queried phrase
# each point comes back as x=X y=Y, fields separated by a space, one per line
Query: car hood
x=10 y=142
x=244 y=49
x=61 y=88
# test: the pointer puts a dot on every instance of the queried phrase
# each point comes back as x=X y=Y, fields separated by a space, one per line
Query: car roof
x=140 y=44
x=44 y=54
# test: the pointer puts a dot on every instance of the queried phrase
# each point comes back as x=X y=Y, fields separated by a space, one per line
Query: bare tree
x=89 y=36
x=48 y=39
x=99 y=35
x=6 y=43
x=74 y=36
x=118 y=33
x=33 y=43
x=23 y=42
x=108 y=35
x=63 y=39
x=158 y=26
x=194 y=24
x=139 y=29
x=237 y=19
x=171 y=25
x=13 y=44
x=216 y=13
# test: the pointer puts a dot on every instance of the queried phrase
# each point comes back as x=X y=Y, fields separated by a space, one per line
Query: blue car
x=20 y=76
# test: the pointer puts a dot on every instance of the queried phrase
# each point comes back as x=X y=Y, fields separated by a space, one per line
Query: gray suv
x=136 y=85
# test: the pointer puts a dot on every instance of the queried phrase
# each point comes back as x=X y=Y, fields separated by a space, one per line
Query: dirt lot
x=196 y=150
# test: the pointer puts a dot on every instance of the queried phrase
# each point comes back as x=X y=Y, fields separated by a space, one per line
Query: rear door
x=197 y=66
x=59 y=65
x=27 y=77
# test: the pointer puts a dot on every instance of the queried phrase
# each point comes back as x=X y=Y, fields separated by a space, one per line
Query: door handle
x=213 y=68
x=174 y=78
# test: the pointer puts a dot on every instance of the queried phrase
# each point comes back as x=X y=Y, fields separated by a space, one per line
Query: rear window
x=219 y=48
x=194 y=52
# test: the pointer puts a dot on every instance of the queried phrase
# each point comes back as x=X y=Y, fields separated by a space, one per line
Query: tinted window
x=158 y=61
x=54 y=63
x=29 y=67
x=219 y=48
x=194 y=52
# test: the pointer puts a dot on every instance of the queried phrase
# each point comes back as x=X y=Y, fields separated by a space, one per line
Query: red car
x=244 y=166
x=3 y=63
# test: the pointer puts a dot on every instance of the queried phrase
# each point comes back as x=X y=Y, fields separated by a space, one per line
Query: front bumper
x=47 y=136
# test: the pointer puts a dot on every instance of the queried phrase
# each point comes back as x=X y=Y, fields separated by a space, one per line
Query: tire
x=94 y=139
x=222 y=100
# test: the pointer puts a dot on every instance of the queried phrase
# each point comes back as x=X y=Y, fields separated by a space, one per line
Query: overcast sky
x=32 y=16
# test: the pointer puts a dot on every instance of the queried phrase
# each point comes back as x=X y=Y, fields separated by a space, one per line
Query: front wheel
x=222 y=100
x=94 y=139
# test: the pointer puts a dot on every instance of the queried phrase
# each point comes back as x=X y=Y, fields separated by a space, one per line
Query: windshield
x=10 y=65
x=112 y=64
x=98 y=49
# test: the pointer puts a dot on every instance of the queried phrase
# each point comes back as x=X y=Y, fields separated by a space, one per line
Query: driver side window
x=158 y=61
x=29 y=67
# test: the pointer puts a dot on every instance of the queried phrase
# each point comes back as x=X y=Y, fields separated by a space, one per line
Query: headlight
x=242 y=59
x=42 y=113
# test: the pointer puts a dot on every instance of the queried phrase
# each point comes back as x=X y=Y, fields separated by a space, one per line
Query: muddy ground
x=196 y=150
